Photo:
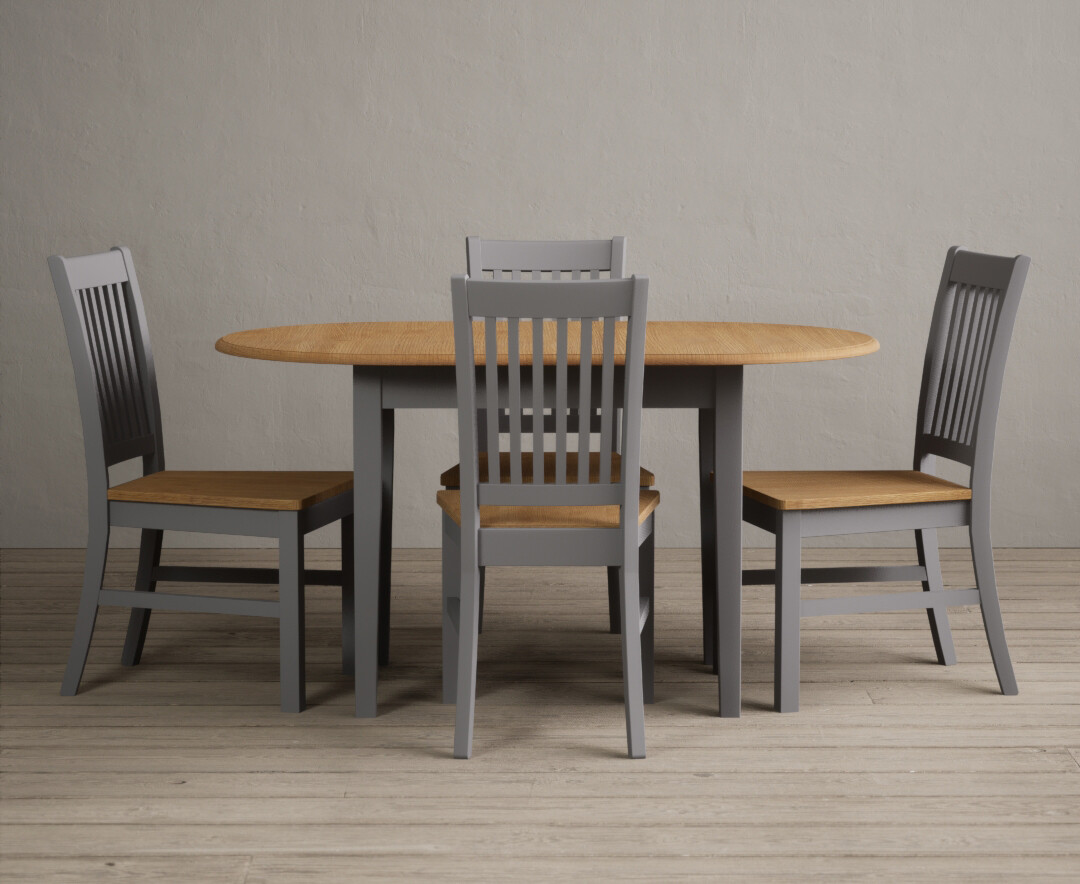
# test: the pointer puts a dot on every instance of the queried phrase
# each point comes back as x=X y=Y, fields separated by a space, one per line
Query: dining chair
x=117 y=390
x=958 y=407
x=531 y=515
x=540 y=261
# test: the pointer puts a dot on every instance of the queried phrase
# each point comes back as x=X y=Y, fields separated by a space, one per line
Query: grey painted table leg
x=706 y=436
x=727 y=503
x=367 y=533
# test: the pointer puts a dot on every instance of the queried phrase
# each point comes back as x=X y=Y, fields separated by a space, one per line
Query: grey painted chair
x=548 y=261
x=530 y=516
x=958 y=406
x=118 y=398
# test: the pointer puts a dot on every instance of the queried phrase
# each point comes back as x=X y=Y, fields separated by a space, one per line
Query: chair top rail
x=545 y=255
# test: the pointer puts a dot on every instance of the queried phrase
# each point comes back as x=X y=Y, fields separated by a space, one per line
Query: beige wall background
x=272 y=163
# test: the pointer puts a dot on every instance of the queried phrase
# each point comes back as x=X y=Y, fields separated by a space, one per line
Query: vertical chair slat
x=491 y=395
x=584 y=400
x=986 y=335
x=138 y=391
x=124 y=358
x=980 y=297
x=561 y=337
x=108 y=360
x=83 y=301
x=538 y=399
x=90 y=323
x=125 y=417
x=105 y=378
x=607 y=398
x=960 y=361
x=513 y=368
x=945 y=381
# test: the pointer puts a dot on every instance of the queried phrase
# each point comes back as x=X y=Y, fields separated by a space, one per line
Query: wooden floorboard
x=183 y=769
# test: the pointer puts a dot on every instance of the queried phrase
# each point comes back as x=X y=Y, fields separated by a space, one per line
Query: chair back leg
x=706 y=435
x=480 y=612
x=788 y=591
x=633 y=695
x=468 y=634
x=927 y=547
x=982 y=557
x=451 y=607
x=291 y=613
x=139 y=620
x=97 y=550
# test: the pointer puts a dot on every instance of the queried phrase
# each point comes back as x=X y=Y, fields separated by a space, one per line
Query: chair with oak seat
x=528 y=514
x=958 y=405
x=540 y=261
x=118 y=398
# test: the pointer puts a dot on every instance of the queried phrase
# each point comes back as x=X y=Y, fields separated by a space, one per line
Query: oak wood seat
x=546 y=516
x=832 y=489
x=246 y=489
x=451 y=478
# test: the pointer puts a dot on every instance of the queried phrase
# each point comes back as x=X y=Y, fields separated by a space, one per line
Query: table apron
x=435 y=387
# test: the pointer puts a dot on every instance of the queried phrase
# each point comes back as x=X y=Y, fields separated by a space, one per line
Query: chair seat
x=249 y=489
x=452 y=477
x=825 y=489
x=547 y=516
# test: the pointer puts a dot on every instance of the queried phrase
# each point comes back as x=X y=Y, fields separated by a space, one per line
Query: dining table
x=688 y=365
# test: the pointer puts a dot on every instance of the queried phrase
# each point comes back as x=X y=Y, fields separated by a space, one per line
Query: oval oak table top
x=432 y=343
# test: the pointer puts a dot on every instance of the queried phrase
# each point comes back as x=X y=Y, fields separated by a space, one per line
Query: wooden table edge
x=375 y=360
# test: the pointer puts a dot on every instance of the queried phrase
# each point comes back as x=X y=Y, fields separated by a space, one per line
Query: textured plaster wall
x=273 y=163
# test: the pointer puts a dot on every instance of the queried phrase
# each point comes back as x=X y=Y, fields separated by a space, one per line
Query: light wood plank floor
x=183 y=769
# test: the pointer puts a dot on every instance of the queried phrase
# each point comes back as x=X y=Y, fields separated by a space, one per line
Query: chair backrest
x=965 y=359
x=110 y=353
x=543 y=328
x=540 y=260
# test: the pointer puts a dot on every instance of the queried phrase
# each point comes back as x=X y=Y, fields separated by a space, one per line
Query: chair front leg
x=927 y=546
x=348 y=599
x=613 y=599
x=788 y=579
x=97 y=550
x=982 y=557
x=647 y=562
x=149 y=559
x=291 y=623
